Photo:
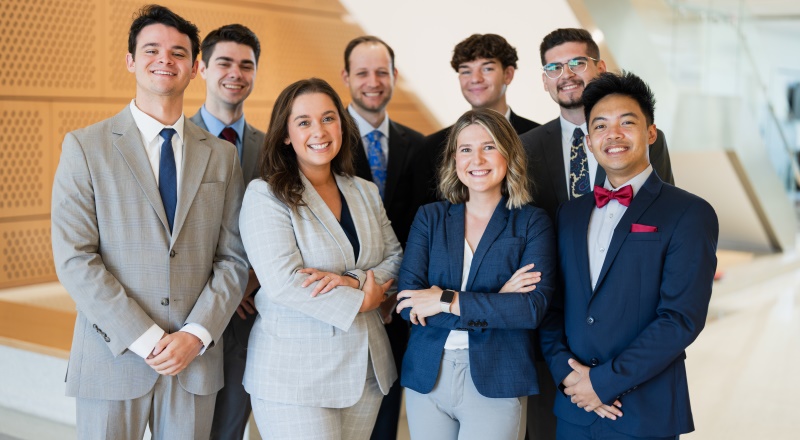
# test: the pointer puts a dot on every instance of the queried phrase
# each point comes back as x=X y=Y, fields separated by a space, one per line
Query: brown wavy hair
x=515 y=184
x=278 y=162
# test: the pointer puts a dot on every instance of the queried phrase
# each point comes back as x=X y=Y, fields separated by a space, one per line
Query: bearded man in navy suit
x=637 y=264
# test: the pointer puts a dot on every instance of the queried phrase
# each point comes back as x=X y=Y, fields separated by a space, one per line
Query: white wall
x=423 y=34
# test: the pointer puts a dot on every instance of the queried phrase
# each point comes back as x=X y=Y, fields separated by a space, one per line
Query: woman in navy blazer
x=467 y=286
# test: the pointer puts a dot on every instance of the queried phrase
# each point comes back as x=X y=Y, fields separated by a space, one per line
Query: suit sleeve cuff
x=202 y=334
x=145 y=344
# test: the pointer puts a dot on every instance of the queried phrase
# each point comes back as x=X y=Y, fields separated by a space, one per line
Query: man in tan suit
x=146 y=241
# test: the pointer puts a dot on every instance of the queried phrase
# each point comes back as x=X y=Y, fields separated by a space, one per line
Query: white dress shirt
x=567 y=130
x=603 y=222
x=459 y=339
x=150 y=130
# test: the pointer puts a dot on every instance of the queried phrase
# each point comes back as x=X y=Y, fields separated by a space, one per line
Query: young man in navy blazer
x=637 y=264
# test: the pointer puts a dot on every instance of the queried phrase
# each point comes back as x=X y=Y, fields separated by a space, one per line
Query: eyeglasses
x=576 y=65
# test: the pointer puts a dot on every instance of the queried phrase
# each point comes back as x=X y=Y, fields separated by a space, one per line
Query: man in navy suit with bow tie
x=637 y=265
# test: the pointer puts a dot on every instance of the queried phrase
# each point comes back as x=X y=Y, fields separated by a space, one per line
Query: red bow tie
x=623 y=195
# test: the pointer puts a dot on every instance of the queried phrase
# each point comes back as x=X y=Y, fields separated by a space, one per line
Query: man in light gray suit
x=146 y=241
x=228 y=65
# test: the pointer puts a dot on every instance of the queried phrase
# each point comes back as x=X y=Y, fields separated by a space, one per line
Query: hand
x=582 y=393
x=174 y=352
x=327 y=281
x=522 y=280
x=609 y=411
x=423 y=303
x=246 y=307
x=387 y=307
x=374 y=293
x=252 y=284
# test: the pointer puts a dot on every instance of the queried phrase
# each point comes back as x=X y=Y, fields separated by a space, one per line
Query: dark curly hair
x=484 y=46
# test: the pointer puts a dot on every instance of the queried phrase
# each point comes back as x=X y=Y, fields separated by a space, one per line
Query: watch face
x=447 y=296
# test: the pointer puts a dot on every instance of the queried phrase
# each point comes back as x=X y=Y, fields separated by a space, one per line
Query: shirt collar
x=568 y=128
x=150 y=127
x=636 y=182
x=508 y=114
x=365 y=127
x=215 y=126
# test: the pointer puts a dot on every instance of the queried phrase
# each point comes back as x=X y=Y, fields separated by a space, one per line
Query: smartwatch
x=446 y=299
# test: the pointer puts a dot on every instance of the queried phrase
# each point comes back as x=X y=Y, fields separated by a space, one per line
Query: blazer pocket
x=294 y=327
x=644 y=236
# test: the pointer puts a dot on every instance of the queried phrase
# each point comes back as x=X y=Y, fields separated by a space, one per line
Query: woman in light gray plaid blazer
x=318 y=362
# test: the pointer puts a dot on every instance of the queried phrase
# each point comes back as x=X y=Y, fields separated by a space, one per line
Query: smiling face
x=484 y=82
x=372 y=78
x=314 y=132
x=619 y=137
x=479 y=164
x=567 y=89
x=229 y=75
x=163 y=62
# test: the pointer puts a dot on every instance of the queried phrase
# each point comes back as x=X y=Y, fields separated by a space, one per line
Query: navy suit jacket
x=501 y=349
x=650 y=302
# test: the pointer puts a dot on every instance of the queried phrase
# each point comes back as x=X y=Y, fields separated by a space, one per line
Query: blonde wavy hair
x=515 y=184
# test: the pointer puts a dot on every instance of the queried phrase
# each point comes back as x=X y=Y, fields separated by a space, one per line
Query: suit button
x=164 y=301
x=172 y=253
x=471 y=323
x=594 y=362
x=484 y=323
x=590 y=320
x=94 y=326
x=107 y=339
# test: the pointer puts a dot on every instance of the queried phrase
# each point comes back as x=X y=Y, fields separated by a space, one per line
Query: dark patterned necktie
x=167 y=177
x=377 y=161
x=230 y=135
x=578 y=167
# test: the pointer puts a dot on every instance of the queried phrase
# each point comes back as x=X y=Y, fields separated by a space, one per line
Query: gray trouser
x=172 y=412
x=454 y=409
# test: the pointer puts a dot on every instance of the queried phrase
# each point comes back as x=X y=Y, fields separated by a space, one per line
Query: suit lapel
x=496 y=225
x=645 y=197
x=317 y=206
x=554 y=157
x=196 y=154
x=398 y=152
x=455 y=243
x=129 y=144
x=355 y=203
x=580 y=226
x=250 y=150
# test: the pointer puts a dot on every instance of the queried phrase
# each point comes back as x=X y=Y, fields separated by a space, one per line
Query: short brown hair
x=355 y=42
x=484 y=46
x=278 y=163
x=569 y=35
x=515 y=184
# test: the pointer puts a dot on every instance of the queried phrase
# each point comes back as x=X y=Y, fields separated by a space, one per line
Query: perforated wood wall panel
x=49 y=47
x=25 y=159
x=64 y=68
x=26 y=256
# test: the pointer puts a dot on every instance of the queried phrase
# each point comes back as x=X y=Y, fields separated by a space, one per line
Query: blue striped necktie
x=167 y=177
x=377 y=161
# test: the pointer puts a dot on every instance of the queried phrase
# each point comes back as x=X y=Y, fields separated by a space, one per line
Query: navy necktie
x=377 y=161
x=578 y=167
x=167 y=176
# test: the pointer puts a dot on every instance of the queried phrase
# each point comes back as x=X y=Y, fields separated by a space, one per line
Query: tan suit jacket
x=115 y=256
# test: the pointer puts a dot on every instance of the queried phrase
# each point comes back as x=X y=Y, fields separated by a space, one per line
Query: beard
x=358 y=102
